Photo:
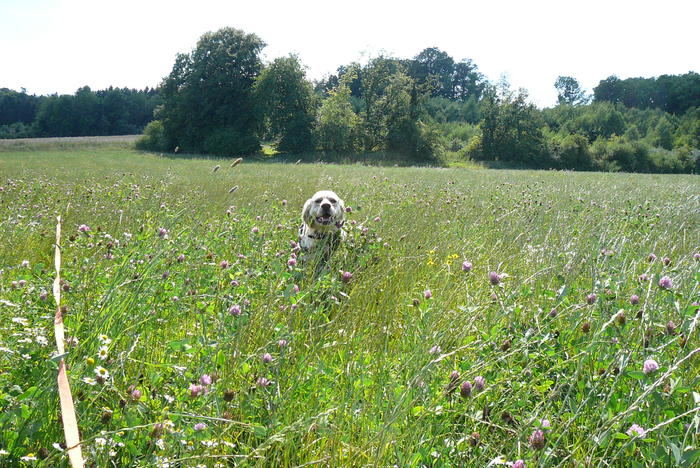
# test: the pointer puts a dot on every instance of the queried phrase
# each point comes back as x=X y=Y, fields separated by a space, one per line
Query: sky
x=57 y=46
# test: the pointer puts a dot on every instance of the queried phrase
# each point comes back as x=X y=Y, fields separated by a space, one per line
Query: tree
x=208 y=101
x=511 y=129
x=467 y=81
x=569 y=91
x=336 y=124
x=434 y=68
x=287 y=103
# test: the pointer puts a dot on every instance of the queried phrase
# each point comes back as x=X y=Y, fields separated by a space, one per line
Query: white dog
x=322 y=221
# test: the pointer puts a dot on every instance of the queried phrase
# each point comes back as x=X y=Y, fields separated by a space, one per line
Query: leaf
x=259 y=431
x=639 y=375
x=690 y=457
x=621 y=436
x=417 y=410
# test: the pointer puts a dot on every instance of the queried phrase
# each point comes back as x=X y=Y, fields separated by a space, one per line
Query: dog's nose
x=326 y=206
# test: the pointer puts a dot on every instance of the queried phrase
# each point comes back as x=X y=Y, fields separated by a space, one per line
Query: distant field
x=196 y=340
x=65 y=142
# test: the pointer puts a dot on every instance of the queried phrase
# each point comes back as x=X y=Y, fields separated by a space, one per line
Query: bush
x=616 y=154
x=573 y=153
x=153 y=138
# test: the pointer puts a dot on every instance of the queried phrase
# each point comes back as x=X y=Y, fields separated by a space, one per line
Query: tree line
x=112 y=111
x=221 y=99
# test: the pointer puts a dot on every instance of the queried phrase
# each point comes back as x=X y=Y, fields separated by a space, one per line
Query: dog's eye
x=318 y=200
x=333 y=200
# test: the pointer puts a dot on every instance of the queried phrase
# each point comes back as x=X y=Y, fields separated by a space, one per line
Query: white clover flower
x=100 y=441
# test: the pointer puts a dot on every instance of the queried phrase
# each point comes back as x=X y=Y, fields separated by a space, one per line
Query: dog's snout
x=326 y=207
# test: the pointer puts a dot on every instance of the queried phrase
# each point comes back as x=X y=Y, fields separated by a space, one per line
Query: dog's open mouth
x=324 y=219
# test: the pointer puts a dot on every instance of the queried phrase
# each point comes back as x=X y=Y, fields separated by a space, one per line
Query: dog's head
x=324 y=212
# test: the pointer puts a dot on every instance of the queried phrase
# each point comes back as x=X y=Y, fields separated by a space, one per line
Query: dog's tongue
x=324 y=218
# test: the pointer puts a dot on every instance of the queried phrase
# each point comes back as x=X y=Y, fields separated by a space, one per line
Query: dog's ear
x=306 y=213
x=341 y=207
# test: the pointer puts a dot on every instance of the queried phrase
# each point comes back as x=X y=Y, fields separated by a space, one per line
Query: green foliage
x=511 y=129
x=153 y=138
x=573 y=152
x=337 y=125
x=569 y=91
x=671 y=93
x=208 y=97
x=287 y=102
x=17 y=107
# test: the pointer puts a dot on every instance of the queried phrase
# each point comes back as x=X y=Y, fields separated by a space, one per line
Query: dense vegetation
x=221 y=99
x=472 y=317
x=113 y=111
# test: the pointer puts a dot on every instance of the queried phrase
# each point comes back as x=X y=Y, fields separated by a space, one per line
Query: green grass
x=365 y=376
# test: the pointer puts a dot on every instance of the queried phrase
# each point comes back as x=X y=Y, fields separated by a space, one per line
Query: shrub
x=153 y=138
x=573 y=153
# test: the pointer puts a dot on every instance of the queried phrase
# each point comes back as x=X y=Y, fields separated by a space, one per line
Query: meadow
x=473 y=317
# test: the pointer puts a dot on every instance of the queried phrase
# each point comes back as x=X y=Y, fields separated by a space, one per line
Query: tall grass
x=365 y=372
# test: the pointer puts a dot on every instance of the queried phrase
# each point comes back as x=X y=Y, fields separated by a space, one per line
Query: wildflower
x=545 y=424
x=103 y=353
x=586 y=327
x=83 y=228
x=696 y=256
x=634 y=299
x=235 y=310
x=479 y=383
x=494 y=278
x=671 y=328
x=181 y=258
x=136 y=394
x=518 y=464
x=667 y=261
x=205 y=379
x=651 y=257
x=620 y=318
x=553 y=313
x=435 y=350
x=43 y=296
x=346 y=277
x=195 y=390
x=162 y=233
x=650 y=366
x=636 y=430
x=104 y=339
x=267 y=358
x=282 y=343
x=465 y=389
x=89 y=380
x=102 y=372
x=292 y=262
x=591 y=298
x=537 y=439
x=25 y=264
x=255 y=230
x=200 y=426
x=29 y=457
x=348 y=209
x=263 y=382
x=377 y=219
x=427 y=293
x=665 y=283
x=643 y=277
x=466 y=266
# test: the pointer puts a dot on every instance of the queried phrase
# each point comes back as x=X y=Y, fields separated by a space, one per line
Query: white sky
x=56 y=46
